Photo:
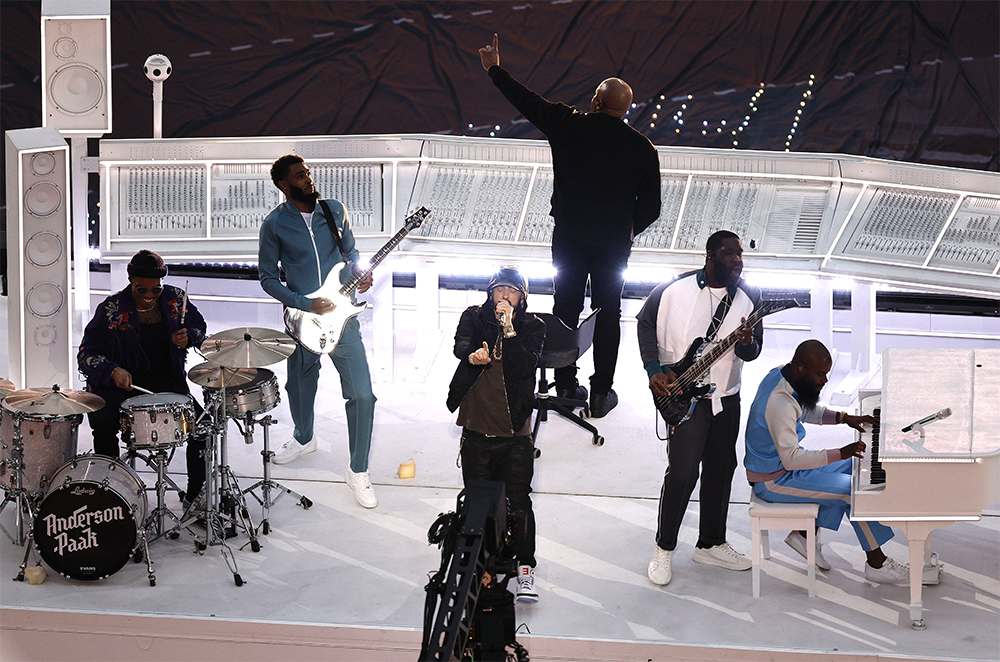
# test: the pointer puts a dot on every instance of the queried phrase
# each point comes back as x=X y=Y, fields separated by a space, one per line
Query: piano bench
x=766 y=516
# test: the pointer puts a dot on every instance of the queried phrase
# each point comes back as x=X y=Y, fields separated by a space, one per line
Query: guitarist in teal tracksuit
x=296 y=234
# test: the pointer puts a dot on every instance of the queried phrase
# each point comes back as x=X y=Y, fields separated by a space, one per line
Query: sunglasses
x=142 y=289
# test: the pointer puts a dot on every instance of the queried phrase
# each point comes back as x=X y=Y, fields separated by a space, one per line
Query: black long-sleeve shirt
x=607 y=174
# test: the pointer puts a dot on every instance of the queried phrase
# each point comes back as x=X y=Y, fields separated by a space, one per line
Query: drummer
x=136 y=338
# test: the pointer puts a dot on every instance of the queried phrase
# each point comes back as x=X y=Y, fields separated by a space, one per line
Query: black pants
x=512 y=461
x=605 y=266
x=709 y=441
x=106 y=425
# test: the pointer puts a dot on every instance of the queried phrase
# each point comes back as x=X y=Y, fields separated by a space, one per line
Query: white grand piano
x=946 y=470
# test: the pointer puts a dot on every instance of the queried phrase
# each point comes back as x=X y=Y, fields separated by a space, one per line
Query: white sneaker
x=292 y=449
x=890 y=573
x=526 y=584
x=659 y=568
x=362 y=486
x=722 y=556
x=797 y=541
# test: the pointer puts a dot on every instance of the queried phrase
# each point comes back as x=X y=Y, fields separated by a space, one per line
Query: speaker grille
x=76 y=89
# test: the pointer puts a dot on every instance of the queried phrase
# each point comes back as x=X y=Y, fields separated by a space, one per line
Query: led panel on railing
x=901 y=226
x=972 y=240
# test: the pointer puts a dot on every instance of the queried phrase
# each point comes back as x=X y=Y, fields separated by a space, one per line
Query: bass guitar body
x=321 y=333
x=675 y=409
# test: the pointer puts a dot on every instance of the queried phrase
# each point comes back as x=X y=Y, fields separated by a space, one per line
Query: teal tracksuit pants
x=356 y=384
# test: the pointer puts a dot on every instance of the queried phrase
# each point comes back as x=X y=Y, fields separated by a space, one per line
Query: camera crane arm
x=468 y=538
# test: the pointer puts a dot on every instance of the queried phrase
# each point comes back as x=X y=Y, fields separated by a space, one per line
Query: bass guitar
x=691 y=370
x=321 y=333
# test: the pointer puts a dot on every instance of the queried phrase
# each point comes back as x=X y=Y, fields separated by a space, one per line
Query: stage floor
x=338 y=564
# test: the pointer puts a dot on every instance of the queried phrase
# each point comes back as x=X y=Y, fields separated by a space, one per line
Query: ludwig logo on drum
x=80 y=489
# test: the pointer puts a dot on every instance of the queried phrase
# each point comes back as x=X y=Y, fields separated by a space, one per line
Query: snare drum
x=48 y=442
x=160 y=420
x=88 y=524
x=254 y=398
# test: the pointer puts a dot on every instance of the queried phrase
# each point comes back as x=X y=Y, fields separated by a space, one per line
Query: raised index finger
x=496 y=41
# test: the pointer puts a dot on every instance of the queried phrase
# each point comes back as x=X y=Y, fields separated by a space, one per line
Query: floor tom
x=47 y=443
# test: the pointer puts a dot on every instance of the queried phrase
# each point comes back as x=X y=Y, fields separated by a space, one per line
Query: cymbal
x=53 y=401
x=6 y=386
x=247 y=347
x=212 y=376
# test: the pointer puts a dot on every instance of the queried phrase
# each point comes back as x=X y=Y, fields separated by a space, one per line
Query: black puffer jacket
x=520 y=357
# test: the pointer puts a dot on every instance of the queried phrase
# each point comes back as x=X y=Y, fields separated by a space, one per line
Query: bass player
x=309 y=237
x=709 y=303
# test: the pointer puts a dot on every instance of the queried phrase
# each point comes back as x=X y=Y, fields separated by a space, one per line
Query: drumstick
x=184 y=306
x=144 y=390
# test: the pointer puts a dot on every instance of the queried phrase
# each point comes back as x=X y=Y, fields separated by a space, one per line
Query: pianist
x=780 y=470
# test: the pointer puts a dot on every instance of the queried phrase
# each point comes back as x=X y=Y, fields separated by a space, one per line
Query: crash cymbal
x=213 y=376
x=6 y=386
x=247 y=347
x=53 y=401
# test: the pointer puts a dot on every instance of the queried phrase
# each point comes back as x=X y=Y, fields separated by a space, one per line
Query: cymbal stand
x=266 y=485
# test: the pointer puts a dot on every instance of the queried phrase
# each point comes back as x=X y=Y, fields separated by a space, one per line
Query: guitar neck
x=707 y=360
x=348 y=289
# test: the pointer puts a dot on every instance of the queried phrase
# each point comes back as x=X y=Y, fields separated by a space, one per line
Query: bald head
x=812 y=352
x=613 y=97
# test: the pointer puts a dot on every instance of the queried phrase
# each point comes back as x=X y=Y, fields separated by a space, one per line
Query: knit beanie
x=147 y=264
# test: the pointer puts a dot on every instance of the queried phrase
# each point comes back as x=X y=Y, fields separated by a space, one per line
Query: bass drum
x=88 y=524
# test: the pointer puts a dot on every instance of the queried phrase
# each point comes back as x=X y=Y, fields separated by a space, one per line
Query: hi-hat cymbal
x=6 y=386
x=213 y=376
x=247 y=347
x=53 y=401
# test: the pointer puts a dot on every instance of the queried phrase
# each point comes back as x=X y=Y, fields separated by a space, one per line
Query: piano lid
x=917 y=383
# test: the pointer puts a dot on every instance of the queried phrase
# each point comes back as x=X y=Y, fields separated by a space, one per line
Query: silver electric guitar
x=321 y=333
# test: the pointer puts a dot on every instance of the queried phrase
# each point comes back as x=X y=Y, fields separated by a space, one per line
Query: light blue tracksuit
x=828 y=485
x=308 y=253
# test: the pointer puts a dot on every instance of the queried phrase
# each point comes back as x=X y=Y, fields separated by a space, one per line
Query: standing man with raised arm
x=308 y=240
x=709 y=303
x=606 y=191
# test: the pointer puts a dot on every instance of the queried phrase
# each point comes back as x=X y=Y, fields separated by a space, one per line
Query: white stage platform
x=338 y=582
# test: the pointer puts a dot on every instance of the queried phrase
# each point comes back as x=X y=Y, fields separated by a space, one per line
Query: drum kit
x=86 y=515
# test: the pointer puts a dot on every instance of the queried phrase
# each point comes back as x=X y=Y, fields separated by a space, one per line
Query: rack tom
x=254 y=398
x=159 y=420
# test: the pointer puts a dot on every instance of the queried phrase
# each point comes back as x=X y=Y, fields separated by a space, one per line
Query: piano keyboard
x=868 y=472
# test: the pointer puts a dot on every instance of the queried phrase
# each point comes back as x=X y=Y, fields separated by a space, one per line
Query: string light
x=806 y=98
x=754 y=105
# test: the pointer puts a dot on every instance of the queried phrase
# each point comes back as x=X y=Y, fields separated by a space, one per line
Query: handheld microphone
x=503 y=319
x=944 y=413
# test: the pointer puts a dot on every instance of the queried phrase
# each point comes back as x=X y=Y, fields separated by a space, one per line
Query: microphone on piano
x=944 y=413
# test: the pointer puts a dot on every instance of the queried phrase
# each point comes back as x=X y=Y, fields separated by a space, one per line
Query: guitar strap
x=333 y=229
x=720 y=314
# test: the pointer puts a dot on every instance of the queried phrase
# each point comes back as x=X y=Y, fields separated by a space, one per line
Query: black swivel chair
x=562 y=347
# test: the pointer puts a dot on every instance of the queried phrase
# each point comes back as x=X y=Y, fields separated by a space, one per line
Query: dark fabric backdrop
x=910 y=81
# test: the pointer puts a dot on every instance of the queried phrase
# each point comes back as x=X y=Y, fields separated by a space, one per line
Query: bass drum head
x=85 y=531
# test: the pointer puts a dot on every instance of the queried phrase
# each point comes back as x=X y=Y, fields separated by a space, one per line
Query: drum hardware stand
x=222 y=491
x=266 y=485
x=18 y=495
x=157 y=519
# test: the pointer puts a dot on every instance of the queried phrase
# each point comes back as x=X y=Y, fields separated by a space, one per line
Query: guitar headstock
x=416 y=218
x=775 y=302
